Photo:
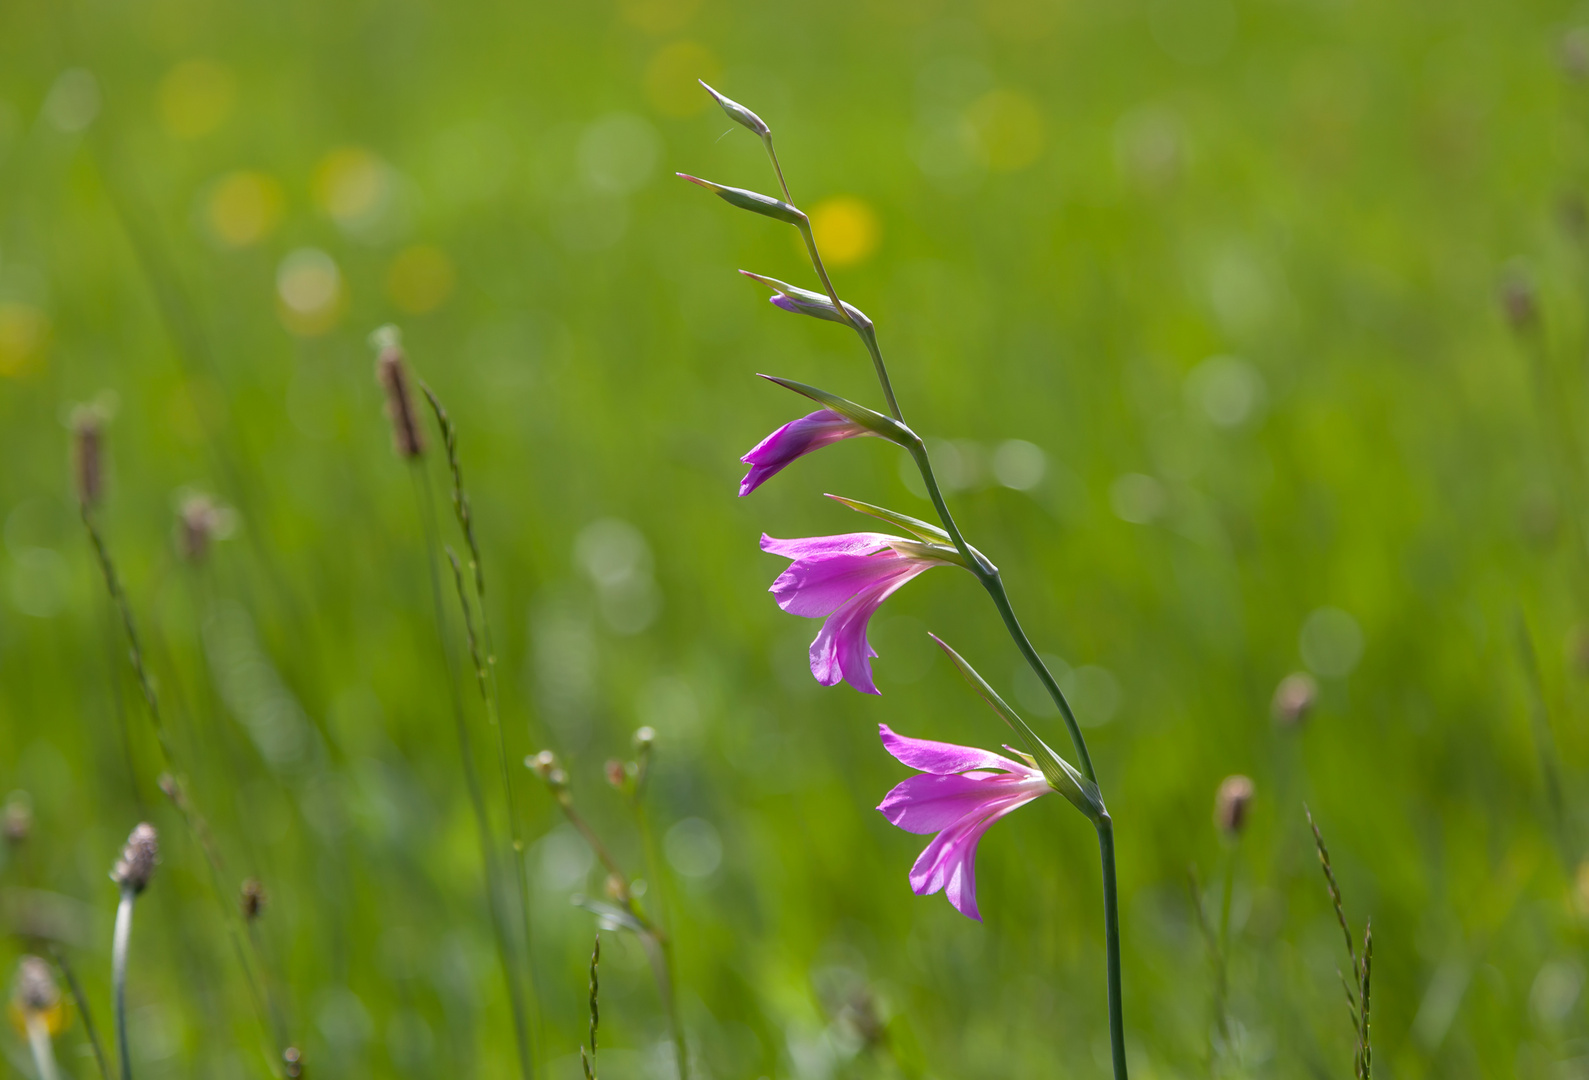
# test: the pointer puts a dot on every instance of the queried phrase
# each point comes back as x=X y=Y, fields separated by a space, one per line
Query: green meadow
x=1248 y=338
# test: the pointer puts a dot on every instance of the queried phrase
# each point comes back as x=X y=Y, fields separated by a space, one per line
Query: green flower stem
x=988 y=575
x=39 y=1042
x=118 y=975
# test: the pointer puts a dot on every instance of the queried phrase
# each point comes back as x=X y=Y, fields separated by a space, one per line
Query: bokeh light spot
x=846 y=228
x=670 y=77
x=1331 y=643
x=196 y=98
x=1019 y=464
x=309 y=287
x=352 y=186
x=1010 y=128
x=243 y=208
x=73 y=100
x=24 y=335
x=694 y=848
x=420 y=279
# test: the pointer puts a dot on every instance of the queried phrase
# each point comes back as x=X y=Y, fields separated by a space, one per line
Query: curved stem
x=118 y=976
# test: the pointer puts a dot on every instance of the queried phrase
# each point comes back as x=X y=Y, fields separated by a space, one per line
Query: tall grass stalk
x=426 y=501
x=81 y=1001
x=118 y=976
x=1358 y=988
x=171 y=784
x=486 y=673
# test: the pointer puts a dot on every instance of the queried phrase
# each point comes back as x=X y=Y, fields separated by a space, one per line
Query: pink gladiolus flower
x=957 y=796
x=794 y=440
x=844 y=579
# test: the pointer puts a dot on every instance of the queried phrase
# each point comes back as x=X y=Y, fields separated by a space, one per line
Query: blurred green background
x=1198 y=298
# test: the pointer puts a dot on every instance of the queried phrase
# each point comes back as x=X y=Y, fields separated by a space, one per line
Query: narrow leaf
x=1082 y=793
x=875 y=422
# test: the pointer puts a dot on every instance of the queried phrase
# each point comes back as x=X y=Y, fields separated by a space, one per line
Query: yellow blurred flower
x=657 y=16
x=420 y=279
x=351 y=185
x=196 y=98
x=670 y=78
x=1010 y=128
x=846 y=228
x=243 y=208
x=309 y=292
x=24 y=336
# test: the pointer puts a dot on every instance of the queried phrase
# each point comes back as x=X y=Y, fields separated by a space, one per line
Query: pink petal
x=841 y=649
x=820 y=585
x=949 y=861
x=805 y=547
x=942 y=757
x=930 y=803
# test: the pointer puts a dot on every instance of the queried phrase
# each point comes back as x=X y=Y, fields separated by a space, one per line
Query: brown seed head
x=1519 y=299
x=616 y=888
x=1294 y=698
x=88 y=454
x=17 y=823
x=392 y=373
x=1230 y=805
x=252 y=899
x=197 y=523
x=292 y=1062
x=136 y=865
x=617 y=774
x=36 y=991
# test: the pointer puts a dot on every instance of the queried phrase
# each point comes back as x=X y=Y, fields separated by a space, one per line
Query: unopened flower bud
x=644 y=738
x=617 y=773
x=252 y=899
x=392 y=374
x=136 y=865
x=16 y=825
x=738 y=112
x=88 y=454
x=754 y=201
x=1230 y=805
x=36 y=991
x=1294 y=698
x=793 y=298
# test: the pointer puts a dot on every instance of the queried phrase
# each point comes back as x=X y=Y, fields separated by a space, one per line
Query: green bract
x=754 y=201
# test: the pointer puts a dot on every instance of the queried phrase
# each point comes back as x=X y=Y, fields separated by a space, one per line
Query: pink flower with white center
x=960 y=793
x=795 y=440
x=843 y=580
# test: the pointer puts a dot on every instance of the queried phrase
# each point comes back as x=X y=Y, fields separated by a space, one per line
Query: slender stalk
x=427 y=512
x=39 y=1042
x=485 y=667
x=81 y=1001
x=118 y=975
x=988 y=575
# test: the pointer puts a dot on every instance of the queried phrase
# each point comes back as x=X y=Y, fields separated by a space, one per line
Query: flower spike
x=960 y=792
x=754 y=201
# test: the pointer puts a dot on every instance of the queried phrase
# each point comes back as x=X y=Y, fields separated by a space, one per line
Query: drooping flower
x=843 y=580
x=795 y=440
x=960 y=792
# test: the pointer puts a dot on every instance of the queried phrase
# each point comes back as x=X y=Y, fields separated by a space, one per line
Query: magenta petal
x=792 y=441
x=841 y=649
x=949 y=861
x=942 y=757
x=807 y=547
x=930 y=803
x=820 y=586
